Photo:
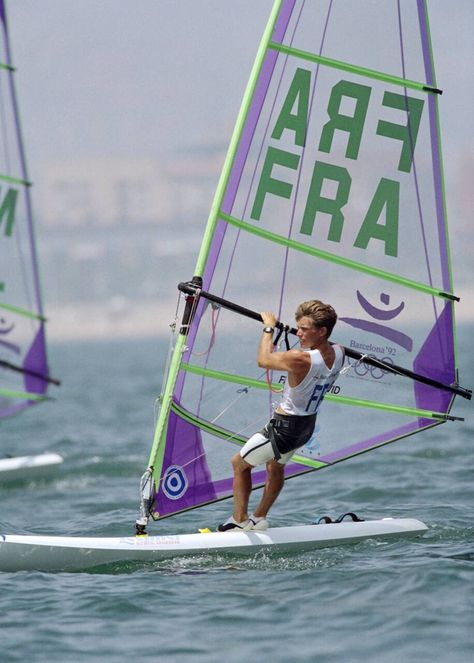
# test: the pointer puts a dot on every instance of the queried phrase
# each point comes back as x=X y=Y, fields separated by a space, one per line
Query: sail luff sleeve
x=235 y=140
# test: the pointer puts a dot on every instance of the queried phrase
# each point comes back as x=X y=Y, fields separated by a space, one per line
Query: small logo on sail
x=382 y=314
x=175 y=482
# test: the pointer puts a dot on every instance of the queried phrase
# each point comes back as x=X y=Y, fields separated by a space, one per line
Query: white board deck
x=62 y=553
x=28 y=468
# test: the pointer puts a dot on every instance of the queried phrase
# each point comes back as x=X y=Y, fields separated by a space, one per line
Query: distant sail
x=23 y=362
x=332 y=189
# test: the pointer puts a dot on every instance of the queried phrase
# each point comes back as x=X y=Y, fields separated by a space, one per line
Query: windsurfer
x=312 y=370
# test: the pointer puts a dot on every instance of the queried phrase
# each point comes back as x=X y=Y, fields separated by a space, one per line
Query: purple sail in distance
x=23 y=362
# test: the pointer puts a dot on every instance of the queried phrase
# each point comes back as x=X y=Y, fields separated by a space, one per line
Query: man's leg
x=242 y=487
x=273 y=485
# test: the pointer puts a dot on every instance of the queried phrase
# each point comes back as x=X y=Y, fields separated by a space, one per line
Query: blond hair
x=322 y=315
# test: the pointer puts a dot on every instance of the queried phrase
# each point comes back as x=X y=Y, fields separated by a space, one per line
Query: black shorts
x=288 y=432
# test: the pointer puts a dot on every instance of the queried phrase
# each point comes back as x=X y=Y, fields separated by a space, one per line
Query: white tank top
x=306 y=398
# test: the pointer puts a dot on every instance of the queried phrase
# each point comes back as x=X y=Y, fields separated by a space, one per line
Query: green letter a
x=387 y=195
x=298 y=93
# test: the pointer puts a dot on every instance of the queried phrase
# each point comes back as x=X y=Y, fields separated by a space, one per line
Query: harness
x=287 y=433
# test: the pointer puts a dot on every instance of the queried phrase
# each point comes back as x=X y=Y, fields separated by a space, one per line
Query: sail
x=23 y=363
x=332 y=189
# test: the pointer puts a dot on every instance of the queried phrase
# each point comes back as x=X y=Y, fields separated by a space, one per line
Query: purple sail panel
x=35 y=361
x=185 y=480
x=292 y=469
x=370 y=443
x=436 y=360
x=9 y=411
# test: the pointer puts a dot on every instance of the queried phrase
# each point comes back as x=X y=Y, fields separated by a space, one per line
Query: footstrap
x=324 y=519
x=352 y=515
x=328 y=520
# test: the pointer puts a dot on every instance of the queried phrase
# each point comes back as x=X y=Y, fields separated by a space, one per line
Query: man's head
x=321 y=315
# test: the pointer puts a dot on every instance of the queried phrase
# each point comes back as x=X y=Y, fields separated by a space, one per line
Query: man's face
x=309 y=335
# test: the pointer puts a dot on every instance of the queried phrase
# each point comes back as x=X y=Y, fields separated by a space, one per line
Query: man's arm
x=292 y=361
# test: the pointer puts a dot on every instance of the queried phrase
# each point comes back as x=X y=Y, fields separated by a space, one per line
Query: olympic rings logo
x=175 y=482
x=376 y=372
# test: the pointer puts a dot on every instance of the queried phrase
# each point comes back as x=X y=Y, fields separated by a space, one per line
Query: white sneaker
x=231 y=525
x=256 y=523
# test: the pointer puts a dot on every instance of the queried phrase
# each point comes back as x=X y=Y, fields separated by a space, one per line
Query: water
x=408 y=601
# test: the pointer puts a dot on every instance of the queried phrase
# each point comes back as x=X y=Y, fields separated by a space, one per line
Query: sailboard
x=62 y=553
x=24 y=373
x=332 y=188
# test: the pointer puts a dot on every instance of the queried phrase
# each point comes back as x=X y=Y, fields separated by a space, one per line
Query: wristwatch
x=268 y=330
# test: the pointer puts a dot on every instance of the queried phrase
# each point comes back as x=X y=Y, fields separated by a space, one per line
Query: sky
x=121 y=77
x=125 y=76
x=128 y=78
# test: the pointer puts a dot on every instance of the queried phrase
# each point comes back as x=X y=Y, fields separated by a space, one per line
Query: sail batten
x=331 y=257
x=332 y=189
x=7 y=393
x=23 y=312
x=15 y=180
x=362 y=71
x=229 y=377
x=244 y=381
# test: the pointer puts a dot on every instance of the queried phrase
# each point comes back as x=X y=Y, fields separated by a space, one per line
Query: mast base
x=140 y=529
